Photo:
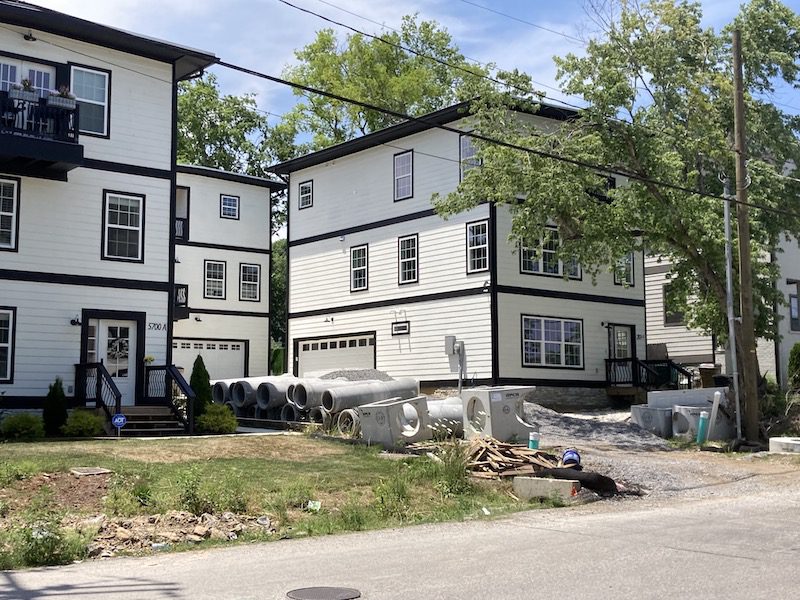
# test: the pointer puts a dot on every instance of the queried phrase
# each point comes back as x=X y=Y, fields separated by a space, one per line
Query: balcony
x=37 y=139
x=181 y=228
x=180 y=309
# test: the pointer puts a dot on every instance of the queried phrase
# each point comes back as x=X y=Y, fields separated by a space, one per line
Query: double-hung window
x=359 y=276
x=214 y=284
x=91 y=90
x=544 y=259
x=623 y=273
x=250 y=283
x=229 y=206
x=794 y=313
x=6 y=344
x=467 y=154
x=407 y=259
x=9 y=208
x=404 y=175
x=552 y=342
x=8 y=76
x=672 y=315
x=477 y=247
x=305 y=195
x=123 y=227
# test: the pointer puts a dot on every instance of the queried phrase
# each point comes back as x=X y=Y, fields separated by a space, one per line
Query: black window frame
x=14 y=247
x=410 y=175
x=485 y=223
x=365 y=247
x=400 y=260
x=463 y=165
x=538 y=256
x=621 y=282
x=12 y=342
x=222 y=214
x=794 y=320
x=224 y=264
x=258 y=286
x=563 y=343
x=72 y=66
x=142 y=222
x=671 y=318
x=310 y=183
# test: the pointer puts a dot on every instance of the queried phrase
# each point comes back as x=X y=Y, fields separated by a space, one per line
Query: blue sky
x=262 y=34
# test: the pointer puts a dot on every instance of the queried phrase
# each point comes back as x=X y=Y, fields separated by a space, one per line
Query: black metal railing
x=166 y=384
x=181 y=228
x=94 y=384
x=647 y=374
x=181 y=295
x=37 y=117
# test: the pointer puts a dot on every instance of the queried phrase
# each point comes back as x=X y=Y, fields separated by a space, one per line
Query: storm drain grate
x=324 y=593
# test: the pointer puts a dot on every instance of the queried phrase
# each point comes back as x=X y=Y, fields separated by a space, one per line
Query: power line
x=535 y=25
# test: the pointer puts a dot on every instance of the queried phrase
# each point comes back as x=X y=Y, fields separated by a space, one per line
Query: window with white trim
x=123 y=222
x=623 y=273
x=477 y=247
x=8 y=76
x=404 y=175
x=90 y=88
x=250 y=282
x=467 y=154
x=305 y=195
x=551 y=342
x=228 y=206
x=9 y=201
x=214 y=283
x=358 y=268
x=6 y=343
x=544 y=259
x=407 y=259
x=40 y=81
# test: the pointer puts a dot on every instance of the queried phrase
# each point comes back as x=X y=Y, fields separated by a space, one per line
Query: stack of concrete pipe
x=220 y=390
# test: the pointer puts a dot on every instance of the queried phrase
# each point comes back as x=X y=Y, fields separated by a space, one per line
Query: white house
x=86 y=202
x=377 y=279
x=222 y=267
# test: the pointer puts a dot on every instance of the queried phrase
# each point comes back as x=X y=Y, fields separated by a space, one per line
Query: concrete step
x=163 y=431
x=168 y=423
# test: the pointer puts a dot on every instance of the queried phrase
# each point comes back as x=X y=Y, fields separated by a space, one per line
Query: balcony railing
x=181 y=302
x=28 y=115
x=647 y=374
x=181 y=228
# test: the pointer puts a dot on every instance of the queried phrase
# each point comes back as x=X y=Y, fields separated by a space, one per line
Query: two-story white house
x=222 y=268
x=87 y=201
x=377 y=279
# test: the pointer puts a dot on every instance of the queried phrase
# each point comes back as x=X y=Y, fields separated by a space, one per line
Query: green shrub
x=392 y=495
x=44 y=542
x=794 y=366
x=233 y=496
x=190 y=495
x=128 y=495
x=217 y=419
x=23 y=426
x=83 y=423
x=201 y=384
x=55 y=409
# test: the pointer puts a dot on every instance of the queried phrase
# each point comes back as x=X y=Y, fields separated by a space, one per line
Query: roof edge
x=213 y=173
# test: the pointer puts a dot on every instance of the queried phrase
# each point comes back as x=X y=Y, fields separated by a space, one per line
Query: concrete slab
x=784 y=444
x=526 y=488
x=85 y=471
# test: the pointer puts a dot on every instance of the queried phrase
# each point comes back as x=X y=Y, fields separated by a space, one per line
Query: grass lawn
x=274 y=476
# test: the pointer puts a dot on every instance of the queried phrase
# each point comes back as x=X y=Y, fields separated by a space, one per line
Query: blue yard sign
x=118 y=421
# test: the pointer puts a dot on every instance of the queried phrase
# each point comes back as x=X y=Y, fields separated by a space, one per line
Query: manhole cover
x=84 y=471
x=324 y=593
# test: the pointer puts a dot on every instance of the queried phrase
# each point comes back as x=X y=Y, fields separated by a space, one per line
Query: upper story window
x=477 y=246
x=229 y=206
x=672 y=315
x=214 y=285
x=544 y=260
x=407 y=259
x=305 y=195
x=623 y=273
x=358 y=268
x=123 y=227
x=467 y=154
x=9 y=208
x=404 y=175
x=551 y=342
x=250 y=283
x=6 y=343
x=91 y=90
x=794 y=313
x=40 y=78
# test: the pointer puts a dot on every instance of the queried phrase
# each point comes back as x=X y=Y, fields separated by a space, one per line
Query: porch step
x=162 y=432
x=150 y=421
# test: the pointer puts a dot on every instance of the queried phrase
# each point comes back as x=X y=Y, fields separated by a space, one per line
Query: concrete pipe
x=339 y=398
x=308 y=393
x=321 y=416
x=447 y=417
x=230 y=406
x=348 y=423
x=220 y=390
x=272 y=394
x=289 y=413
x=243 y=392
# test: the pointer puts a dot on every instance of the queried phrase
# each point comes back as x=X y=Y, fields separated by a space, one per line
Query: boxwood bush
x=83 y=423
x=23 y=426
x=217 y=419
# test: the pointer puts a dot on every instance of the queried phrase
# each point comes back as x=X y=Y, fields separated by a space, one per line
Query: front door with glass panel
x=116 y=347
x=620 y=347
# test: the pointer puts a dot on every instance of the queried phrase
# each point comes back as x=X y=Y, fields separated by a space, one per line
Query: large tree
x=659 y=91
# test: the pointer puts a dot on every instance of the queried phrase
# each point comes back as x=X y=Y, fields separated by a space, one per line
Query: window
x=250 y=283
x=467 y=154
x=305 y=195
x=794 y=313
x=9 y=190
x=8 y=76
x=552 y=342
x=40 y=80
x=404 y=175
x=407 y=259
x=228 y=206
x=123 y=227
x=90 y=87
x=7 y=344
x=358 y=268
x=672 y=316
x=215 y=279
x=477 y=247
x=544 y=260
x=623 y=273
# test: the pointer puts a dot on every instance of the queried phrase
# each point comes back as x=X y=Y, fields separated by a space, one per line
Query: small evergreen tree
x=794 y=367
x=55 y=409
x=201 y=384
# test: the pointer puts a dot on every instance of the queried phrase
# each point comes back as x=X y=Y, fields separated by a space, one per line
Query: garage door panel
x=224 y=359
x=336 y=352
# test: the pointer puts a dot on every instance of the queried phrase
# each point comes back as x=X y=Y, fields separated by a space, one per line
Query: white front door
x=622 y=341
x=116 y=348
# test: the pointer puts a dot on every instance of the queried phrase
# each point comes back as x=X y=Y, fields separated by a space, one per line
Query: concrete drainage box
x=395 y=422
x=784 y=444
x=695 y=397
x=654 y=420
x=685 y=420
x=496 y=412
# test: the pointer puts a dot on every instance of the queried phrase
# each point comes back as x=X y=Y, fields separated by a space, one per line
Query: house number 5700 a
x=157 y=326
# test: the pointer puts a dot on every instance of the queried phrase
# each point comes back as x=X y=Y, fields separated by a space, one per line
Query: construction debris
x=490 y=459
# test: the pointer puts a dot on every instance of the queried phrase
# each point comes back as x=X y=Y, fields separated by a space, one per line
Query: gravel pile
x=357 y=375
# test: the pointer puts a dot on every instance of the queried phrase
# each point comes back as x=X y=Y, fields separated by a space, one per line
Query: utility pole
x=747 y=338
x=734 y=361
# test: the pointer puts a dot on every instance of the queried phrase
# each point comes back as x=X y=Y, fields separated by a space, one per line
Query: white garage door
x=334 y=353
x=224 y=359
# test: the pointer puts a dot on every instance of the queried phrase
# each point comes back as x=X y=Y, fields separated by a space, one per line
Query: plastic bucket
x=533 y=440
x=570 y=457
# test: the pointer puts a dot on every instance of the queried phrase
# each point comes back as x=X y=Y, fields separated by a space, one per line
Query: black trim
x=416 y=259
x=222 y=247
x=238 y=206
x=299 y=195
x=107 y=134
x=612 y=342
x=518 y=291
x=115 y=167
x=632 y=282
x=542 y=273
x=366 y=268
x=287 y=287
x=258 y=266
x=12 y=349
x=224 y=279
x=32 y=402
x=488 y=245
x=232 y=313
x=394 y=175
x=103 y=255
x=246 y=344
x=522 y=317
x=296 y=346
x=228 y=176
x=16 y=209
x=390 y=302
x=494 y=308
x=531 y=381
x=366 y=227
x=186 y=234
x=173 y=207
x=681 y=321
x=34 y=59
x=85 y=280
x=657 y=269
x=401 y=324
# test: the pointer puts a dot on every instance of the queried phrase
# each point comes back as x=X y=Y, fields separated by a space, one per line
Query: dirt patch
x=75 y=494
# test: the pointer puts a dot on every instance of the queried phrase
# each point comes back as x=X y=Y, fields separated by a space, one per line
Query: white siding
x=789 y=261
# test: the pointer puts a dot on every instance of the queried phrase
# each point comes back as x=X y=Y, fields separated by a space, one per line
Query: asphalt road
x=741 y=540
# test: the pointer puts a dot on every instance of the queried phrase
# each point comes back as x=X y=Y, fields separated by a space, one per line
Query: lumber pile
x=490 y=459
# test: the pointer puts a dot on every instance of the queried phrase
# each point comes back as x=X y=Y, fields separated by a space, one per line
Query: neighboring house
x=377 y=279
x=86 y=204
x=222 y=267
